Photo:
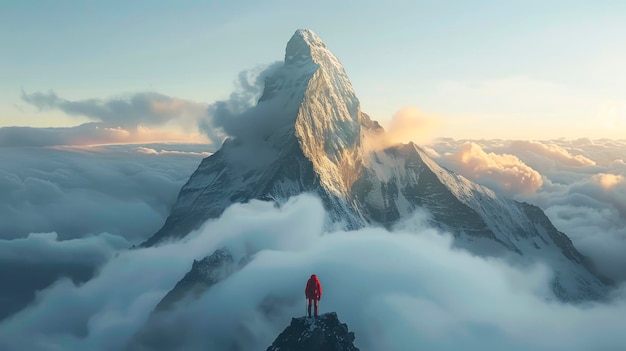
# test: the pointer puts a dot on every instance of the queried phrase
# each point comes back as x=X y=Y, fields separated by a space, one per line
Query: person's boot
x=309 y=311
x=315 y=310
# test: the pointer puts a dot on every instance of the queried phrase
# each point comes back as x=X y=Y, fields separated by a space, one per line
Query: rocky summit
x=323 y=333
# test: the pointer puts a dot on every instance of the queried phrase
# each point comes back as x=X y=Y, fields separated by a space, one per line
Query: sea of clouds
x=70 y=213
x=402 y=290
x=78 y=191
x=64 y=211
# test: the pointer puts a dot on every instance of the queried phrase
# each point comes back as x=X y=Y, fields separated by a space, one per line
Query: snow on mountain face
x=328 y=122
x=310 y=138
x=402 y=178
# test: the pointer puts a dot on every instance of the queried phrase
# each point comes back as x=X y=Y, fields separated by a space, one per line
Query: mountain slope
x=308 y=134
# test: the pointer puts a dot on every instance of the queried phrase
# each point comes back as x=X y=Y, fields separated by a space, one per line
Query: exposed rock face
x=312 y=138
x=159 y=333
x=203 y=274
x=323 y=333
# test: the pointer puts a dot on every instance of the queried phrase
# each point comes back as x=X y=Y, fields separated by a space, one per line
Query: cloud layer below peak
x=390 y=304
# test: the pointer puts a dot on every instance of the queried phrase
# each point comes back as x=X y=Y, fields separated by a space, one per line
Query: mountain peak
x=301 y=46
x=309 y=37
x=308 y=136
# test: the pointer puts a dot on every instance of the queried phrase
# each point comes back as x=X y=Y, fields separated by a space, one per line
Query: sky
x=479 y=69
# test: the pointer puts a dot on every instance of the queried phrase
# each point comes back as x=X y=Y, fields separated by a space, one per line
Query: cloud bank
x=239 y=115
x=408 y=124
x=64 y=210
x=123 y=190
x=145 y=117
x=132 y=118
x=33 y=263
x=411 y=124
x=583 y=188
x=503 y=172
x=143 y=108
x=391 y=304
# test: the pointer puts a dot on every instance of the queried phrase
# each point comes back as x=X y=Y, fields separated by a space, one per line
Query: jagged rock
x=158 y=333
x=202 y=275
x=323 y=333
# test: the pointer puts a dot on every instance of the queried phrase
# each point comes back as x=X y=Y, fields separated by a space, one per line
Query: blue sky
x=482 y=69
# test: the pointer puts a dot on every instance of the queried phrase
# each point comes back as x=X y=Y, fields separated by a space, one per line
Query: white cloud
x=428 y=296
x=78 y=191
x=240 y=115
x=404 y=291
x=141 y=117
x=408 y=124
x=94 y=134
x=552 y=151
x=411 y=124
x=143 y=108
x=45 y=248
x=505 y=173
x=583 y=191
x=84 y=200
x=151 y=151
x=33 y=263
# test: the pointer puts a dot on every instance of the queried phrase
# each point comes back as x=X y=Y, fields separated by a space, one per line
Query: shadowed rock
x=203 y=274
x=323 y=333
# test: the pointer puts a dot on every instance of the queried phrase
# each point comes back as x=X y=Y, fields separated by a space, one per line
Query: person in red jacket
x=313 y=292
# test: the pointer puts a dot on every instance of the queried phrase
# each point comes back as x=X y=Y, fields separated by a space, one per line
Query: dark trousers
x=314 y=302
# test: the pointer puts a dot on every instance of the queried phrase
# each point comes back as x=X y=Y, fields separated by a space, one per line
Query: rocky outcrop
x=323 y=333
x=160 y=333
x=202 y=275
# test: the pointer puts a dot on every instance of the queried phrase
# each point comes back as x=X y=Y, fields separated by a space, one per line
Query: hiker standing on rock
x=313 y=292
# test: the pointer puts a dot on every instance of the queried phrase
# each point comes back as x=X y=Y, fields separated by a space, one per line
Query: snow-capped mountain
x=310 y=135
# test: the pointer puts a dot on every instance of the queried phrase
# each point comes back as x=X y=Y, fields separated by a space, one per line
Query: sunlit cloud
x=151 y=151
x=502 y=172
x=144 y=108
x=94 y=134
x=583 y=191
x=552 y=151
x=406 y=125
x=133 y=118
x=411 y=124
x=608 y=181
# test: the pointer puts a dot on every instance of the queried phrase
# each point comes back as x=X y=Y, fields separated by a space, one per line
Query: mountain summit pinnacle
x=301 y=44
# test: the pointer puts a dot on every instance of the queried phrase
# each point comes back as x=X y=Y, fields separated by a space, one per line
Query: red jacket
x=313 y=288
